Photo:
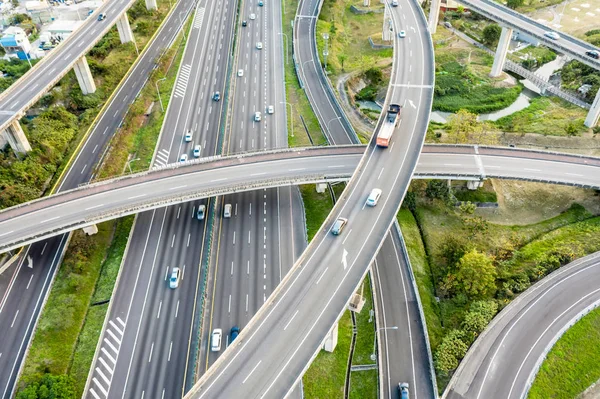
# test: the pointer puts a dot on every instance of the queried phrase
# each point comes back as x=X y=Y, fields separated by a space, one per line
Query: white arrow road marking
x=344 y=260
x=29 y=262
x=412 y=104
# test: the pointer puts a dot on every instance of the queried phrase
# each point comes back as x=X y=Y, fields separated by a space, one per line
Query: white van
x=394 y=3
x=227 y=211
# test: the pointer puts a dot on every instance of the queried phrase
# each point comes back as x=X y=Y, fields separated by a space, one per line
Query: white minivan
x=227 y=211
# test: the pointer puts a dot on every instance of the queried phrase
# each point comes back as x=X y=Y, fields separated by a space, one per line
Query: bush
x=449 y=353
x=374 y=75
x=49 y=386
x=479 y=316
x=491 y=34
x=367 y=93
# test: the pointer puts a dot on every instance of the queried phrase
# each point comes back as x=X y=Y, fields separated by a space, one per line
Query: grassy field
x=327 y=373
x=363 y=384
x=462 y=80
x=365 y=335
x=348 y=37
x=317 y=207
x=545 y=115
x=573 y=361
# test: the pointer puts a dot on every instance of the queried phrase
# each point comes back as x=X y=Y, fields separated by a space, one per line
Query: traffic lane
x=506 y=353
x=169 y=317
x=22 y=304
x=90 y=153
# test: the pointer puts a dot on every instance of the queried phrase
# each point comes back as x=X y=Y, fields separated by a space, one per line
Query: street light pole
x=373 y=356
x=291 y=116
x=158 y=92
x=286 y=46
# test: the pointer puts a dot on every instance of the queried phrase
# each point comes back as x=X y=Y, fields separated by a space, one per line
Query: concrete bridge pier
x=501 y=51
x=594 y=113
x=90 y=230
x=330 y=341
x=84 y=76
x=151 y=5
x=125 y=33
x=16 y=138
x=434 y=15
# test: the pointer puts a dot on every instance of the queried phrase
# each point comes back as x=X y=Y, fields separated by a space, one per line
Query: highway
x=148 y=344
x=224 y=175
x=277 y=346
x=566 y=44
x=506 y=356
x=402 y=352
x=23 y=93
x=256 y=247
x=23 y=289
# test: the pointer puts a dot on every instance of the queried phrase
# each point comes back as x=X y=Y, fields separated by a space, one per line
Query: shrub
x=49 y=386
x=367 y=93
x=479 y=316
x=449 y=353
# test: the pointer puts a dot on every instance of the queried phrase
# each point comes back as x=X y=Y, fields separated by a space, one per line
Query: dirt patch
x=523 y=203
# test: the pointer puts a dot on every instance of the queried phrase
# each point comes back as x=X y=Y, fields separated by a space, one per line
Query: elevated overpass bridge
x=176 y=183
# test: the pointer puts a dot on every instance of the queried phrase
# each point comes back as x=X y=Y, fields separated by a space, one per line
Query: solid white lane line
x=3 y=234
x=246 y=379
x=288 y=323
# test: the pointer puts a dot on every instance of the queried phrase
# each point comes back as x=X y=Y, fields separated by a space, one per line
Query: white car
x=215 y=345
x=240 y=72
x=188 y=136
x=183 y=158
x=402 y=34
x=259 y=45
x=552 y=35
x=197 y=151
x=257 y=116
x=270 y=109
x=253 y=16
x=374 y=197
x=174 y=280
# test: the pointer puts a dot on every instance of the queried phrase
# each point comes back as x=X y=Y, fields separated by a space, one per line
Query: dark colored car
x=235 y=331
x=216 y=96
x=101 y=17
x=338 y=226
x=244 y=23
x=593 y=54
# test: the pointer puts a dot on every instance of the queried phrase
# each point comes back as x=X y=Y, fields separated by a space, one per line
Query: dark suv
x=593 y=54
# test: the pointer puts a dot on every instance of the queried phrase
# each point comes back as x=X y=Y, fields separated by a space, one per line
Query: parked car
x=174 y=280
x=338 y=226
x=593 y=54
x=552 y=35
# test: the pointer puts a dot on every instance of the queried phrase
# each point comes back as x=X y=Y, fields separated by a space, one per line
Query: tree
x=514 y=4
x=452 y=250
x=491 y=34
x=479 y=316
x=437 y=189
x=462 y=126
x=475 y=275
x=571 y=129
x=475 y=225
x=467 y=207
x=342 y=58
x=410 y=201
x=49 y=386
x=450 y=351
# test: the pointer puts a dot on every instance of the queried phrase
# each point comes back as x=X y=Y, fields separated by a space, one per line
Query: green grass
x=295 y=95
x=545 y=115
x=327 y=373
x=61 y=320
x=363 y=384
x=365 y=334
x=479 y=195
x=317 y=207
x=573 y=361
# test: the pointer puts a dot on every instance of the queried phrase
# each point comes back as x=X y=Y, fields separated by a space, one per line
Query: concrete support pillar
x=474 y=184
x=321 y=187
x=84 y=76
x=330 y=341
x=16 y=138
x=151 y=5
x=594 y=113
x=125 y=33
x=501 y=51
x=90 y=230
x=434 y=15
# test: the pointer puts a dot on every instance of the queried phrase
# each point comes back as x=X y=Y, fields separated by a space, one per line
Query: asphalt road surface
x=506 y=356
x=23 y=289
x=147 y=347
x=265 y=234
x=275 y=349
